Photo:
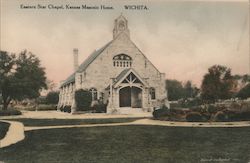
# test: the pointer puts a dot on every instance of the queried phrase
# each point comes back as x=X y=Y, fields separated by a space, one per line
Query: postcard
x=124 y=81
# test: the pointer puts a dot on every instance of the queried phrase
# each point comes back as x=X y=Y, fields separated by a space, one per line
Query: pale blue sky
x=181 y=38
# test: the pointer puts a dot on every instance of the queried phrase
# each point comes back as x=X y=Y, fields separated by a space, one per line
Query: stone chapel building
x=119 y=74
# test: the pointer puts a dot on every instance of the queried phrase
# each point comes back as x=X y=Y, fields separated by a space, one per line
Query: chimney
x=75 y=55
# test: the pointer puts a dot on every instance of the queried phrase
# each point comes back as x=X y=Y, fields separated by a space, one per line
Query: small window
x=101 y=96
x=81 y=78
x=94 y=94
x=152 y=93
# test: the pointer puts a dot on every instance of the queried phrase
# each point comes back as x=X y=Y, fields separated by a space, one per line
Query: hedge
x=66 y=108
x=99 y=108
x=220 y=116
x=162 y=112
x=40 y=107
x=83 y=99
x=9 y=112
x=194 y=117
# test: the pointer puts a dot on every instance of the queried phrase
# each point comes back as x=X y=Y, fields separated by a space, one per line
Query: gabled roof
x=85 y=64
x=92 y=57
x=121 y=75
x=124 y=74
x=121 y=17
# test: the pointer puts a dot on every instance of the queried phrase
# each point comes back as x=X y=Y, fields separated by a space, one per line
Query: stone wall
x=101 y=71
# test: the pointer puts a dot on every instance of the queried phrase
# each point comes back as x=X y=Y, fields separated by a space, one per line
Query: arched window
x=93 y=93
x=152 y=93
x=122 y=60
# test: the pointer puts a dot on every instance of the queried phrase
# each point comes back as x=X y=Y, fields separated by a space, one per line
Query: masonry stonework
x=108 y=70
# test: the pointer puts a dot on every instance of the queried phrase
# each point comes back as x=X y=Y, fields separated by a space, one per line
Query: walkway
x=14 y=134
x=152 y=122
x=16 y=129
x=62 y=115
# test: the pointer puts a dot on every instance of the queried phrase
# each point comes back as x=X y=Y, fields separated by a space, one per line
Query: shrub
x=27 y=108
x=41 y=100
x=40 y=107
x=9 y=112
x=61 y=108
x=187 y=103
x=245 y=106
x=198 y=109
x=194 y=117
x=100 y=107
x=52 y=97
x=67 y=109
x=177 y=111
x=244 y=93
x=175 y=105
x=240 y=116
x=212 y=109
x=1 y=100
x=83 y=99
x=220 y=116
x=44 y=107
x=162 y=112
x=206 y=116
x=235 y=106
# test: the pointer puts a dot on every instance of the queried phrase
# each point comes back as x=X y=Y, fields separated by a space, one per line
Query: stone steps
x=128 y=110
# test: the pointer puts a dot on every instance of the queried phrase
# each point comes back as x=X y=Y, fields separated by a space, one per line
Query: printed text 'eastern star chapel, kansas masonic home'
x=118 y=74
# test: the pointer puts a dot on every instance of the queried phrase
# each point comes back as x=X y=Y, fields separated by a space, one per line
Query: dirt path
x=16 y=129
x=152 y=122
x=13 y=135
x=61 y=115
x=192 y=124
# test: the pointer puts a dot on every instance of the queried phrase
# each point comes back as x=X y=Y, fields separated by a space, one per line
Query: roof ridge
x=86 y=63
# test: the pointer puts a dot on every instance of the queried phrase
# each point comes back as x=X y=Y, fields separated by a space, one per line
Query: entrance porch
x=128 y=94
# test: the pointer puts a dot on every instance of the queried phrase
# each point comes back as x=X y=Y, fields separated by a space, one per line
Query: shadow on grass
x=59 y=122
x=4 y=127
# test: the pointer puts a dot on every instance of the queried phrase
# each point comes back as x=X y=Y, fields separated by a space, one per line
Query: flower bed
x=234 y=111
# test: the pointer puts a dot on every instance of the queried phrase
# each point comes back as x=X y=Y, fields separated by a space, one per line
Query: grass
x=3 y=129
x=125 y=144
x=58 y=122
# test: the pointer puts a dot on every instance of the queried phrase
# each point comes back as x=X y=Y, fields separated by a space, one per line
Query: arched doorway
x=130 y=97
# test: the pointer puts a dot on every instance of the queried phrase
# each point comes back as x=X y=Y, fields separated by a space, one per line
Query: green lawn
x=125 y=144
x=58 y=122
x=3 y=129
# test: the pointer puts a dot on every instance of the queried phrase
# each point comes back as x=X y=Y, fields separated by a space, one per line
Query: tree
x=217 y=84
x=240 y=81
x=7 y=63
x=83 y=99
x=244 y=93
x=245 y=78
x=51 y=85
x=190 y=90
x=175 y=90
x=52 y=97
x=20 y=77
